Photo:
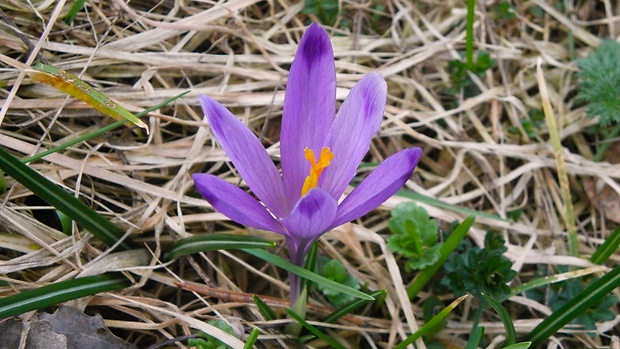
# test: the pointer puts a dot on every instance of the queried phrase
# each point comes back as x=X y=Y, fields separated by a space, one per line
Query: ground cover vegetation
x=505 y=235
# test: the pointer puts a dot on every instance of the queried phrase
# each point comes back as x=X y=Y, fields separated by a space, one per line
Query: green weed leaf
x=207 y=341
x=334 y=270
x=414 y=236
x=479 y=271
x=575 y=307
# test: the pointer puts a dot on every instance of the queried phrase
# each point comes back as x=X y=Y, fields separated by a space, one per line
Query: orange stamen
x=316 y=168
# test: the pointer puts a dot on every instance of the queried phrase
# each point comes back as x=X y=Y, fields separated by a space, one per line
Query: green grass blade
x=547 y=280
x=279 y=262
x=608 y=248
x=2 y=183
x=315 y=331
x=311 y=263
x=66 y=203
x=73 y=11
x=520 y=345
x=575 y=307
x=423 y=277
x=98 y=132
x=417 y=197
x=454 y=208
x=264 y=308
x=333 y=317
x=469 y=35
x=474 y=338
x=253 y=336
x=511 y=334
x=430 y=324
x=59 y=292
x=211 y=242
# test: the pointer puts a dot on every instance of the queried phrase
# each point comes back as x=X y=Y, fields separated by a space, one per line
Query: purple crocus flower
x=320 y=152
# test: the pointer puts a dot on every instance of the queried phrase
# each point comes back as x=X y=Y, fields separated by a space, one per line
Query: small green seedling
x=334 y=270
x=480 y=270
x=414 y=236
x=207 y=341
x=504 y=11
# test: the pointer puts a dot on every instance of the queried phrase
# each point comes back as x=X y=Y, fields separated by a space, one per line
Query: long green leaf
x=430 y=324
x=474 y=338
x=417 y=197
x=575 y=307
x=73 y=11
x=99 y=131
x=59 y=292
x=327 y=283
x=520 y=345
x=547 y=280
x=211 y=242
x=348 y=308
x=315 y=331
x=511 y=334
x=264 y=308
x=423 y=277
x=253 y=336
x=66 y=203
x=608 y=248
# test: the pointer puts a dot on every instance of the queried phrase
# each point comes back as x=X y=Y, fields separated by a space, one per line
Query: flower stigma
x=316 y=168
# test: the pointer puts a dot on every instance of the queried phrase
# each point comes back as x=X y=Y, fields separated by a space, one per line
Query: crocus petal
x=382 y=183
x=309 y=219
x=247 y=154
x=358 y=120
x=235 y=203
x=309 y=106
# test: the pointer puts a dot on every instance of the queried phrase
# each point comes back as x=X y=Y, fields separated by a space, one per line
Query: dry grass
x=238 y=53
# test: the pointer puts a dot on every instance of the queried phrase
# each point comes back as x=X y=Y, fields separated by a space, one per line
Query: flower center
x=316 y=168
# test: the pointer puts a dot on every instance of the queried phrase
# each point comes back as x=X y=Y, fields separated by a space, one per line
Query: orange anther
x=316 y=168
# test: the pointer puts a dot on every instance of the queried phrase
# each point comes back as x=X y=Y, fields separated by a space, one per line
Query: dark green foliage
x=477 y=271
x=600 y=82
x=334 y=270
x=559 y=294
x=459 y=70
x=504 y=11
x=598 y=312
x=207 y=341
x=326 y=10
x=530 y=125
x=494 y=241
x=414 y=236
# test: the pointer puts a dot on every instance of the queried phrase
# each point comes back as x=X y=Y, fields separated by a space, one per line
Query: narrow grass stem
x=98 y=132
x=469 y=35
x=558 y=152
x=605 y=145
